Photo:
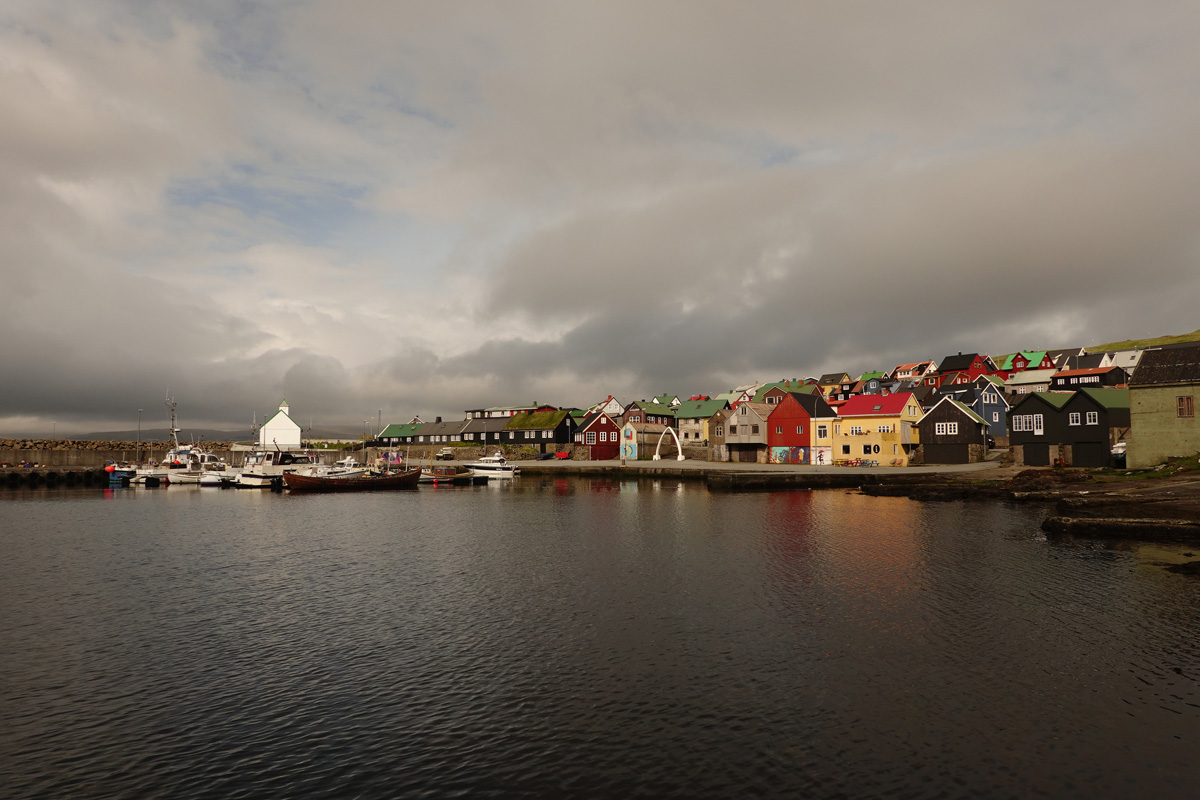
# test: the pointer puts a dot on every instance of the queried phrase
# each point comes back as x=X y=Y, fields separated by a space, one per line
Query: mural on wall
x=822 y=456
x=629 y=446
x=788 y=455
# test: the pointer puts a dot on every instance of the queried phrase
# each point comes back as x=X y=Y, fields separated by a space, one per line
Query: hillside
x=1141 y=344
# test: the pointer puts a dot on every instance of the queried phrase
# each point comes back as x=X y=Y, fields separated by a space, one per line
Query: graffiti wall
x=788 y=455
x=822 y=456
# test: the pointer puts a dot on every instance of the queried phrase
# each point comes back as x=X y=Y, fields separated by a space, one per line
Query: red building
x=600 y=435
x=790 y=427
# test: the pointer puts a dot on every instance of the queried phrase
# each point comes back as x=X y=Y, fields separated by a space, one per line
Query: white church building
x=280 y=431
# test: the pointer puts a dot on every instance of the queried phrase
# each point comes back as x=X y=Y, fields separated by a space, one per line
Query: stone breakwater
x=88 y=445
x=77 y=454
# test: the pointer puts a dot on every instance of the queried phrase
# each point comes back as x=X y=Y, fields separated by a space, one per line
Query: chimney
x=439 y=419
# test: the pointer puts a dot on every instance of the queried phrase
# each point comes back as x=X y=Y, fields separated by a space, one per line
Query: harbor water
x=566 y=637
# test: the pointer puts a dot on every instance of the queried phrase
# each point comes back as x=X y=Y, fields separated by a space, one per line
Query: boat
x=454 y=476
x=120 y=473
x=264 y=469
x=185 y=463
x=344 y=468
x=494 y=467
x=298 y=482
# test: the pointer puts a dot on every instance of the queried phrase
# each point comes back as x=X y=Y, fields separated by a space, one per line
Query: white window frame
x=1093 y=418
x=1074 y=418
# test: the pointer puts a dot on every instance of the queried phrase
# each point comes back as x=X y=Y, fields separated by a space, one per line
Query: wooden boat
x=297 y=482
x=455 y=476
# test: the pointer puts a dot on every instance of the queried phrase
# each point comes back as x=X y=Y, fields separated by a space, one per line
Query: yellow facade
x=888 y=439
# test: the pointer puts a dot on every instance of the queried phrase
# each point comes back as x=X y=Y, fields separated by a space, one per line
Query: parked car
x=445 y=454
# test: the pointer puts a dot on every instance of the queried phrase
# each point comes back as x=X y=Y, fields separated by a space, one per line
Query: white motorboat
x=264 y=469
x=496 y=466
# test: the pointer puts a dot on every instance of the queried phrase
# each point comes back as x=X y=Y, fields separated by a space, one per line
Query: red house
x=790 y=427
x=972 y=364
x=600 y=435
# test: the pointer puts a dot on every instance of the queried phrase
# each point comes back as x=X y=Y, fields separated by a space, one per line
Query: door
x=1090 y=454
x=1037 y=455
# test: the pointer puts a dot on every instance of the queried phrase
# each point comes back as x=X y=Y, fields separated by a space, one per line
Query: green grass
x=1173 y=467
x=1141 y=344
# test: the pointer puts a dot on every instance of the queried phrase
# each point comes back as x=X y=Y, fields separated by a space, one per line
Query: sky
x=379 y=209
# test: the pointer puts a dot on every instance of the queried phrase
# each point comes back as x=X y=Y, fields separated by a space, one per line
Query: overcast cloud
x=417 y=208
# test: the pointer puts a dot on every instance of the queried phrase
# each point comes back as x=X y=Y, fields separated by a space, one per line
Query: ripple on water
x=583 y=639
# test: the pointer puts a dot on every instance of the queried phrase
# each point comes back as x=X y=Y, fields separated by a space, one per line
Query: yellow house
x=877 y=428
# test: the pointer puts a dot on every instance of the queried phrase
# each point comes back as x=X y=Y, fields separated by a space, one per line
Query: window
x=1073 y=418
x=1185 y=406
x=866 y=449
x=742 y=411
x=995 y=416
x=945 y=428
x=753 y=429
x=771 y=400
x=591 y=437
x=799 y=429
x=856 y=430
x=822 y=431
x=720 y=431
x=1093 y=418
x=845 y=449
x=635 y=418
x=778 y=430
x=733 y=430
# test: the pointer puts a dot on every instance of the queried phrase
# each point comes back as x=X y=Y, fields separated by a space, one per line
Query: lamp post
x=139 y=442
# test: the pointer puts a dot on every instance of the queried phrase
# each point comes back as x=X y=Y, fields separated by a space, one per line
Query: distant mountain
x=199 y=435
x=1142 y=344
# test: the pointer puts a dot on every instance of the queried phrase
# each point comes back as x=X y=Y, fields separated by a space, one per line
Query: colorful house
x=878 y=428
x=746 y=433
x=601 y=435
x=692 y=419
x=791 y=428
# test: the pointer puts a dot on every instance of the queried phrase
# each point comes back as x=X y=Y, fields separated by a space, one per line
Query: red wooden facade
x=602 y=438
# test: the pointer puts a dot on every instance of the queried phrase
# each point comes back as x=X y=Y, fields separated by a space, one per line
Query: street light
x=139 y=443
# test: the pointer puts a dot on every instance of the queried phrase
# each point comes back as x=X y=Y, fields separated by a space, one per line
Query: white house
x=280 y=431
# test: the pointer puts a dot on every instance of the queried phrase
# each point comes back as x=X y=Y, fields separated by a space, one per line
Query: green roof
x=699 y=409
x=1109 y=398
x=870 y=376
x=658 y=409
x=967 y=411
x=391 y=431
x=536 y=420
x=1032 y=356
x=1056 y=399
x=787 y=386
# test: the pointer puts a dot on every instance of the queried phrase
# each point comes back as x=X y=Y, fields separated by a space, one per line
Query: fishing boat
x=264 y=469
x=120 y=473
x=496 y=466
x=297 y=482
x=454 y=476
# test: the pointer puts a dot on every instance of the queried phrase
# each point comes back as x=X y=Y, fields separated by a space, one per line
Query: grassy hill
x=1141 y=344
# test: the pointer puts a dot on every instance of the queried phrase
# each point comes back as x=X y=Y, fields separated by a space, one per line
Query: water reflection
x=564 y=638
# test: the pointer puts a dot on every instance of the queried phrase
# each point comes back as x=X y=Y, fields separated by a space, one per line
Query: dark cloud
x=402 y=208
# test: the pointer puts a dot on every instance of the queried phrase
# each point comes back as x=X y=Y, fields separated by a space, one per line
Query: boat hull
x=363 y=483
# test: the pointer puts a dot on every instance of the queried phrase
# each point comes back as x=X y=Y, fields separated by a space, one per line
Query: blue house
x=985 y=396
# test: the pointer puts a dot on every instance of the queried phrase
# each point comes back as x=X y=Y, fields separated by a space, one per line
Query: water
x=572 y=638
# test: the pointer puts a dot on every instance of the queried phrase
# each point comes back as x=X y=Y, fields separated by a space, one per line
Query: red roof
x=873 y=405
